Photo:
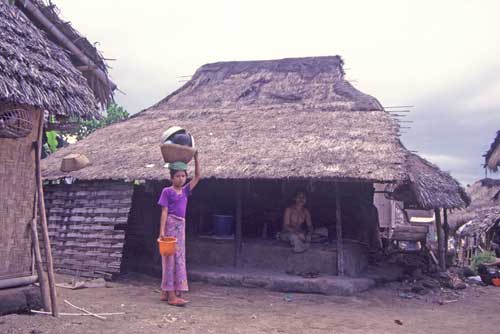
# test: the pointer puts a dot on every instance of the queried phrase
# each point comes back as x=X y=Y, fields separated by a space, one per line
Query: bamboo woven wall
x=17 y=188
x=87 y=223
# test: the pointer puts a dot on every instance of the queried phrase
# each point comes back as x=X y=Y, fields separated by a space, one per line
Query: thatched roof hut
x=289 y=118
x=427 y=187
x=492 y=157
x=292 y=120
x=41 y=62
x=484 y=210
x=45 y=66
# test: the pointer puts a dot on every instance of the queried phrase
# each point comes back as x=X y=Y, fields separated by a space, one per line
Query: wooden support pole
x=340 y=242
x=238 y=228
x=43 y=221
x=446 y=229
x=440 y=237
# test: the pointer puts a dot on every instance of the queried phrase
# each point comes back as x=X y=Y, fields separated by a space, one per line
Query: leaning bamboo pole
x=44 y=285
x=42 y=279
x=43 y=221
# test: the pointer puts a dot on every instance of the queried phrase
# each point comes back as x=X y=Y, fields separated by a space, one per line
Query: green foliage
x=52 y=140
x=114 y=113
x=483 y=257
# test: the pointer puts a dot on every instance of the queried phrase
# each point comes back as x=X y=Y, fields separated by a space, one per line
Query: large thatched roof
x=484 y=210
x=492 y=157
x=36 y=70
x=427 y=187
x=290 y=118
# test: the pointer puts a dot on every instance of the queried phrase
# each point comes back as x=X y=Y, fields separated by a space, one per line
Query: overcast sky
x=442 y=57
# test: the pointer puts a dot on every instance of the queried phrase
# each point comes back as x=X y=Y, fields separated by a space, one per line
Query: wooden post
x=440 y=237
x=42 y=280
x=340 y=242
x=446 y=229
x=238 y=227
x=43 y=221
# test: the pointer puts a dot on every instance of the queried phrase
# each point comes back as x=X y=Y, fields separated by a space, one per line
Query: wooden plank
x=408 y=236
x=411 y=229
x=340 y=243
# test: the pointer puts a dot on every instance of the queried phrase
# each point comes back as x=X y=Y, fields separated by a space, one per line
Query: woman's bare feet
x=173 y=299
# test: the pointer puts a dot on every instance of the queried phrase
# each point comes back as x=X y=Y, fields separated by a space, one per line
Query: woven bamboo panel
x=17 y=188
x=15 y=123
x=87 y=223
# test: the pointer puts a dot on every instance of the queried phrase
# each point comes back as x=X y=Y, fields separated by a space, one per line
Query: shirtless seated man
x=294 y=219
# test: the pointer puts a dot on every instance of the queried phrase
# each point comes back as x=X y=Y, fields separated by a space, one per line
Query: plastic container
x=495 y=281
x=223 y=225
x=167 y=245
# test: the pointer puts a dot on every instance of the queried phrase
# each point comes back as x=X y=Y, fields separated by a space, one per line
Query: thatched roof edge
x=492 y=156
x=483 y=212
x=431 y=188
x=36 y=70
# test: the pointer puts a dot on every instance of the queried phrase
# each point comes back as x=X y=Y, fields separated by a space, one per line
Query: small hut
x=492 y=157
x=47 y=71
x=430 y=191
x=263 y=129
x=478 y=226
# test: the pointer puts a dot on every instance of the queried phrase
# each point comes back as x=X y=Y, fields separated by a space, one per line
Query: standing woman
x=173 y=201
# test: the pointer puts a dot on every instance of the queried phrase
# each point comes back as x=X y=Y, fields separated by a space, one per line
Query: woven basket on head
x=174 y=152
x=15 y=123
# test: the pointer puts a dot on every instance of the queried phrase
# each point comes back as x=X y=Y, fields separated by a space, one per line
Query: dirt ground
x=242 y=310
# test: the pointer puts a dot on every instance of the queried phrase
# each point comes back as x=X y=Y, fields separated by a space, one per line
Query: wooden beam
x=43 y=221
x=340 y=242
x=238 y=228
x=86 y=68
x=440 y=237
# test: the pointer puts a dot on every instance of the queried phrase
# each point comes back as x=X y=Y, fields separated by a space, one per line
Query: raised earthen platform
x=277 y=256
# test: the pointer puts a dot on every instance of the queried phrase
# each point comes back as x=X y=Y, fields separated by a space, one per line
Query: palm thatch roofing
x=492 y=157
x=288 y=118
x=427 y=187
x=484 y=210
x=38 y=71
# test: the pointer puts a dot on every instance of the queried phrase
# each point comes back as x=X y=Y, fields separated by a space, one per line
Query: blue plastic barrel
x=223 y=225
